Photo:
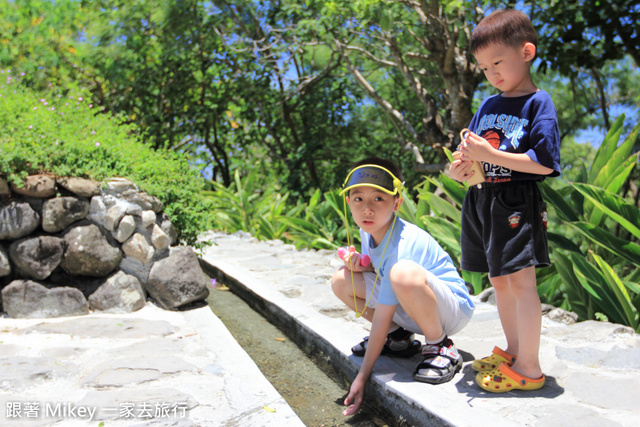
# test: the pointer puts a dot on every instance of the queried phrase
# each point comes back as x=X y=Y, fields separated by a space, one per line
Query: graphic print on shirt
x=503 y=132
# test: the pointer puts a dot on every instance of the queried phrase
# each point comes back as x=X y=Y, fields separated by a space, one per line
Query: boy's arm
x=478 y=148
x=379 y=329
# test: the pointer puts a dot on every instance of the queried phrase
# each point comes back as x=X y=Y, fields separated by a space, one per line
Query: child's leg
x=507 y=310
x=344 y=289
x=409 y=282
x=523 y=317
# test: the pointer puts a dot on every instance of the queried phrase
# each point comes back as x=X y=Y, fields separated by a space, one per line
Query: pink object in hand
x=364 y=259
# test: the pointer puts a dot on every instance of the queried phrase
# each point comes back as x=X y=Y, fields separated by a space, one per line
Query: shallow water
x=314 y=395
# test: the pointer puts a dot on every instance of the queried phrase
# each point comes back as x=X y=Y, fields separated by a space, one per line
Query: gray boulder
x=27 y=299
x=119 y=185
x=82 y=187
x=4 y=188
x=126 y=228
x=39 y=186
x=177 y=280
x=120 y=293
x=135 y=268
x=17 y=219
x=159 y=238
x=144 y=200
x=89 y=252
x=5 y=265
x=167 y=226
x=60 y=212
x=37 y=257
x=139 y=248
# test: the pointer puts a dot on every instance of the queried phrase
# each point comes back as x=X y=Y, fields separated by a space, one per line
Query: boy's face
x=507 y=67
x=372 y=210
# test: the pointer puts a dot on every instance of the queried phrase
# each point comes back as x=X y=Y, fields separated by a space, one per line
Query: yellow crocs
x=506 y=379
x=493 y=361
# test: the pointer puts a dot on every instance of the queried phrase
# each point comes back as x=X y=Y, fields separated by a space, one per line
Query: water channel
x=316 y=395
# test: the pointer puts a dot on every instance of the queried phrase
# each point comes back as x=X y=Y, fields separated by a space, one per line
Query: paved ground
x=161 y=368
x=149 y=368
x=592 y=368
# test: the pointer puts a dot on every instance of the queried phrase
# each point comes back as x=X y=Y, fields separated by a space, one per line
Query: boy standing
x=515 y=136
x=419 y=289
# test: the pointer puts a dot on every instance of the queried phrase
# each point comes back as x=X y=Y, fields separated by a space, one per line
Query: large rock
x=17 y=219
x=119 y=185
x=158 y=237
x=39 y=186
x=37 y=257
x=126 y=228
x=27 y=299
x=89 y=252
x=5 y=265
x=4 y=188
x=177 y=280
x=60 y=212
x=143 y=200
x=135 y=268
x=167 y=226
x=139 y=248
x=114 y=215
x=82 y=187
x=120 y=293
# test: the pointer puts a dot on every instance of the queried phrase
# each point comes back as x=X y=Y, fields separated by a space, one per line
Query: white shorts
x=452 y=316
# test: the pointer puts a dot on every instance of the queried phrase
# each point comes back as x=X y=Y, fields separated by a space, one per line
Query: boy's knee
x=339 y=280
x=405 y=274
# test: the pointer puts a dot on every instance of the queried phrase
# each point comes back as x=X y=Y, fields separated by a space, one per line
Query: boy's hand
x=461 y=170
x=356 y=395
x=475 y=147
x=353 y=260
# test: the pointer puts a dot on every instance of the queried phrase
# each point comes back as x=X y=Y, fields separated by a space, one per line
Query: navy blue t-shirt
x=524 y=124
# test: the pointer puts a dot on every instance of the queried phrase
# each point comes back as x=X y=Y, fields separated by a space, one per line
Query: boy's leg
x=433 y=307
x=409 y=282
x=507 y=311
x=400 y=342
x=344 y=289
x=529 y=322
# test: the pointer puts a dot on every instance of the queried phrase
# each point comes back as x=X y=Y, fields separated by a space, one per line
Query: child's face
x=507 y=67
x=372 y=210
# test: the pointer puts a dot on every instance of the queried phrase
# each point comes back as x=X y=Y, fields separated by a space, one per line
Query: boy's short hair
x=508 y=27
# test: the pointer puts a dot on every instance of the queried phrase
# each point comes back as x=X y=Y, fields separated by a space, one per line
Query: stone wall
x=71 y=245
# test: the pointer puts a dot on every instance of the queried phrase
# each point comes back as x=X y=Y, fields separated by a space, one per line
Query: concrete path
x=151 y=367
x=592 y=368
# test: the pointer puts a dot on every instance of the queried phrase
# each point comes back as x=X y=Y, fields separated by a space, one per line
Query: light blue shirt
x=410 y=242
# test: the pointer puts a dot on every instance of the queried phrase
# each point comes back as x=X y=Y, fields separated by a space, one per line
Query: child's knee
x=339 y=280
x=406 y=274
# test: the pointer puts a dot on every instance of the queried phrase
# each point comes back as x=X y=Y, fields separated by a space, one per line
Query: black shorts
x=504 y=228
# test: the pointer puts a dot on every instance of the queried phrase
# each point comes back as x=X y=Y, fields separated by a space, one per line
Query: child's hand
x=475 y=147
x=353 y=260
x=356 y=395
x=461 y=170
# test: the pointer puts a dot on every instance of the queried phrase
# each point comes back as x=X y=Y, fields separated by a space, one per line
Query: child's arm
x=378 y=336
x=478 y=148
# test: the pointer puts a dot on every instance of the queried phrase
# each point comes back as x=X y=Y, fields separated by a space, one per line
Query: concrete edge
x=212 y=331
x=320 y=335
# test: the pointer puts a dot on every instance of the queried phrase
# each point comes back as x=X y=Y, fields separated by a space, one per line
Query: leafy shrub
x=266 y=214
x=65 y=135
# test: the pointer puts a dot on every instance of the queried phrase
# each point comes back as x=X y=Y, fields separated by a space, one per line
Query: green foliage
x=68 y=136
x=598 y=264
x=265 y=214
